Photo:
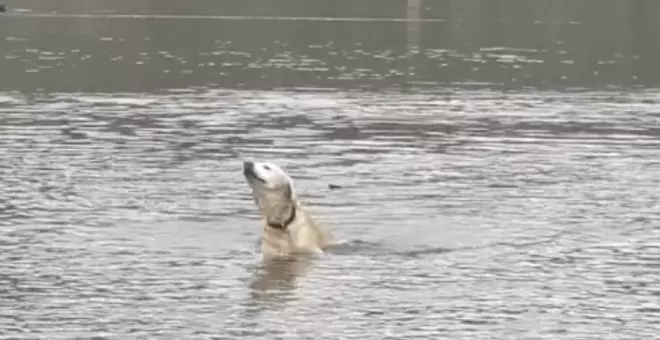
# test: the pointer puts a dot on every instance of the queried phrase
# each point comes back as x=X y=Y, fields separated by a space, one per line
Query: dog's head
x=273 y=192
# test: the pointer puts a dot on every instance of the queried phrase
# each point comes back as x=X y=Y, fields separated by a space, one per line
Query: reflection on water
x=468 y=204
x=277 y=281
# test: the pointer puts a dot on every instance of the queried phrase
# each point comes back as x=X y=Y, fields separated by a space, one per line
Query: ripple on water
x=467 y=214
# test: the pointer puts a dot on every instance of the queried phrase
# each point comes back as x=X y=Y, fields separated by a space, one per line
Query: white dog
x=287 y=228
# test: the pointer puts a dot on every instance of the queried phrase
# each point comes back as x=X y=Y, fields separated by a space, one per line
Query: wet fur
x=287 y=227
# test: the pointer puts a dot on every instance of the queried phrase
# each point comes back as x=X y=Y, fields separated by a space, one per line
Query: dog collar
x=286 y=224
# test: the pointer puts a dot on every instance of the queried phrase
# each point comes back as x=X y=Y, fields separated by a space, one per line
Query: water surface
x=486 y=198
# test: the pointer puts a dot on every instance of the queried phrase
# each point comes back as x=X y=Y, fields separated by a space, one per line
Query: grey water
x=495 y=168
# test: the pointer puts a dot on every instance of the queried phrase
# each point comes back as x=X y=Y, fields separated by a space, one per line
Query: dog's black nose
x=248 y=166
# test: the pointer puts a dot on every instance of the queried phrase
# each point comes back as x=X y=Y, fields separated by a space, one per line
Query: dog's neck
x=278 y=208
x=285 y=223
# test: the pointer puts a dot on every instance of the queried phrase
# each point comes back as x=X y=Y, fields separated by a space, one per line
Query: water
x=469 y=208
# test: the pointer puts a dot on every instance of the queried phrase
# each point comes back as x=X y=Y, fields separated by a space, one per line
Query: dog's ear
x=289 y=192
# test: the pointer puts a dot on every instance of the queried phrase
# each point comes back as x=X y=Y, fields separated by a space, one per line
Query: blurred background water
x=498 y=163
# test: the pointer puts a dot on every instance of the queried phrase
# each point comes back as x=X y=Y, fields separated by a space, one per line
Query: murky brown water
x=471 y=212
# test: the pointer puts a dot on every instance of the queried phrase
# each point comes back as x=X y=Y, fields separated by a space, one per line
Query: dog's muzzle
x=248 y=171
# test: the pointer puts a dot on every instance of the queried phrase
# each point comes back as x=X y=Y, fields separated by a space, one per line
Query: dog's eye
x=266 y=167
